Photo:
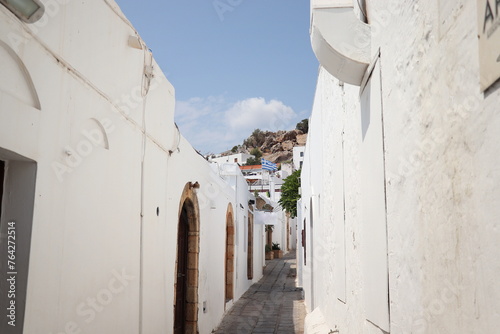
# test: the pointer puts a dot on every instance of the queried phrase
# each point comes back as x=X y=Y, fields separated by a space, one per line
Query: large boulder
x=276 y=148
x=268 y=143
x=301 y=139
x=287 y=146
x=290 y=135
x=283 y=156
x=279 y=156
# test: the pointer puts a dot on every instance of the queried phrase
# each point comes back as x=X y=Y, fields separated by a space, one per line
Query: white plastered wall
x=441 y=143
x=107 y=152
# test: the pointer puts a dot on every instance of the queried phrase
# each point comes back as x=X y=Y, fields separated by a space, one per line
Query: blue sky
x=236 y=65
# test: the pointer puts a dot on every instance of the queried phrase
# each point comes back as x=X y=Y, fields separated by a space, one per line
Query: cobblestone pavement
x=273 y=305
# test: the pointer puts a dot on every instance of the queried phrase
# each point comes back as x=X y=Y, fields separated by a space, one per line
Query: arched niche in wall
x=96 y=132
x=18 y=81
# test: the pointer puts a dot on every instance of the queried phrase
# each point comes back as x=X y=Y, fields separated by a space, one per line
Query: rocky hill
x=275 y=146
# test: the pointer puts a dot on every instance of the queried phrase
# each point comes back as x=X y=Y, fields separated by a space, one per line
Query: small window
x=27 y=10
x=301 y=154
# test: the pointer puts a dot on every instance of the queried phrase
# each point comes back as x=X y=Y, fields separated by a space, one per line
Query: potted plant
x=269 y=253
x=278 y=253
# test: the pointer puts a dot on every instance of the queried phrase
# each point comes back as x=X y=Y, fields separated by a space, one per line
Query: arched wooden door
x=186 y=286
x=229 y=260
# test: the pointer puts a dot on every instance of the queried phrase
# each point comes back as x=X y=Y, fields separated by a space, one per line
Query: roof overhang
x=340 y=41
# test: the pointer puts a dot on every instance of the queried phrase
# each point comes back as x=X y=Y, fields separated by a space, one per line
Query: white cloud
x=196 y=108
x=213 y=124
x=256 y=113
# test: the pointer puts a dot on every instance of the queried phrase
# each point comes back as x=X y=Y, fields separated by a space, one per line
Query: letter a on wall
x=488 y=13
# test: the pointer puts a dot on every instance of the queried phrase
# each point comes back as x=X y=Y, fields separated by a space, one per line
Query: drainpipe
x=340 y=41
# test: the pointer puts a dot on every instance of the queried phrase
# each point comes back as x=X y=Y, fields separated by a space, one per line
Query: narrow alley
x=272 y=305
x=130 y=206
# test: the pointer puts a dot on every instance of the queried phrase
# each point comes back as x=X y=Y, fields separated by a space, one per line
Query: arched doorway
x=186 y=279
x=229 y=263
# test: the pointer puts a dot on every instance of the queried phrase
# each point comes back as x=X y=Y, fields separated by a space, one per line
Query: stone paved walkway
x=273 y=305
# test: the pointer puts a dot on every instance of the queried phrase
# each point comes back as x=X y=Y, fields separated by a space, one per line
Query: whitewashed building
x=120 y=226
x=400 y=184
x=238 y=158
x=298 y=157
x=268 y=187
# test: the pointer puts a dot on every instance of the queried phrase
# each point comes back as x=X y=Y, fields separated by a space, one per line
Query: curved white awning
x=340 y=41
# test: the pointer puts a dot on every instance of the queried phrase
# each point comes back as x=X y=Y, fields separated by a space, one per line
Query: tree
x=290 y=193
x=303 y=125
x=255 y=160
x=252 y=161
x=256 y=153
x=260 y=137
x=256 y=139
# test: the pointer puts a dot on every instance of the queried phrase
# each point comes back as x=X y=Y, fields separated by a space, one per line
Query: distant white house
x=298 y=157
x=238 y=158
x=262 y=180
x=268 y=185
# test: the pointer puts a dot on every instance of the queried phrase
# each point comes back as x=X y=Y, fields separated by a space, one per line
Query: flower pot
x=269 y=255
x=278 y=254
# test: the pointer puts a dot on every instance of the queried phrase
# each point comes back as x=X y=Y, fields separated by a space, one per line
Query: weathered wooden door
x=181 y=286
x=229 y=291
